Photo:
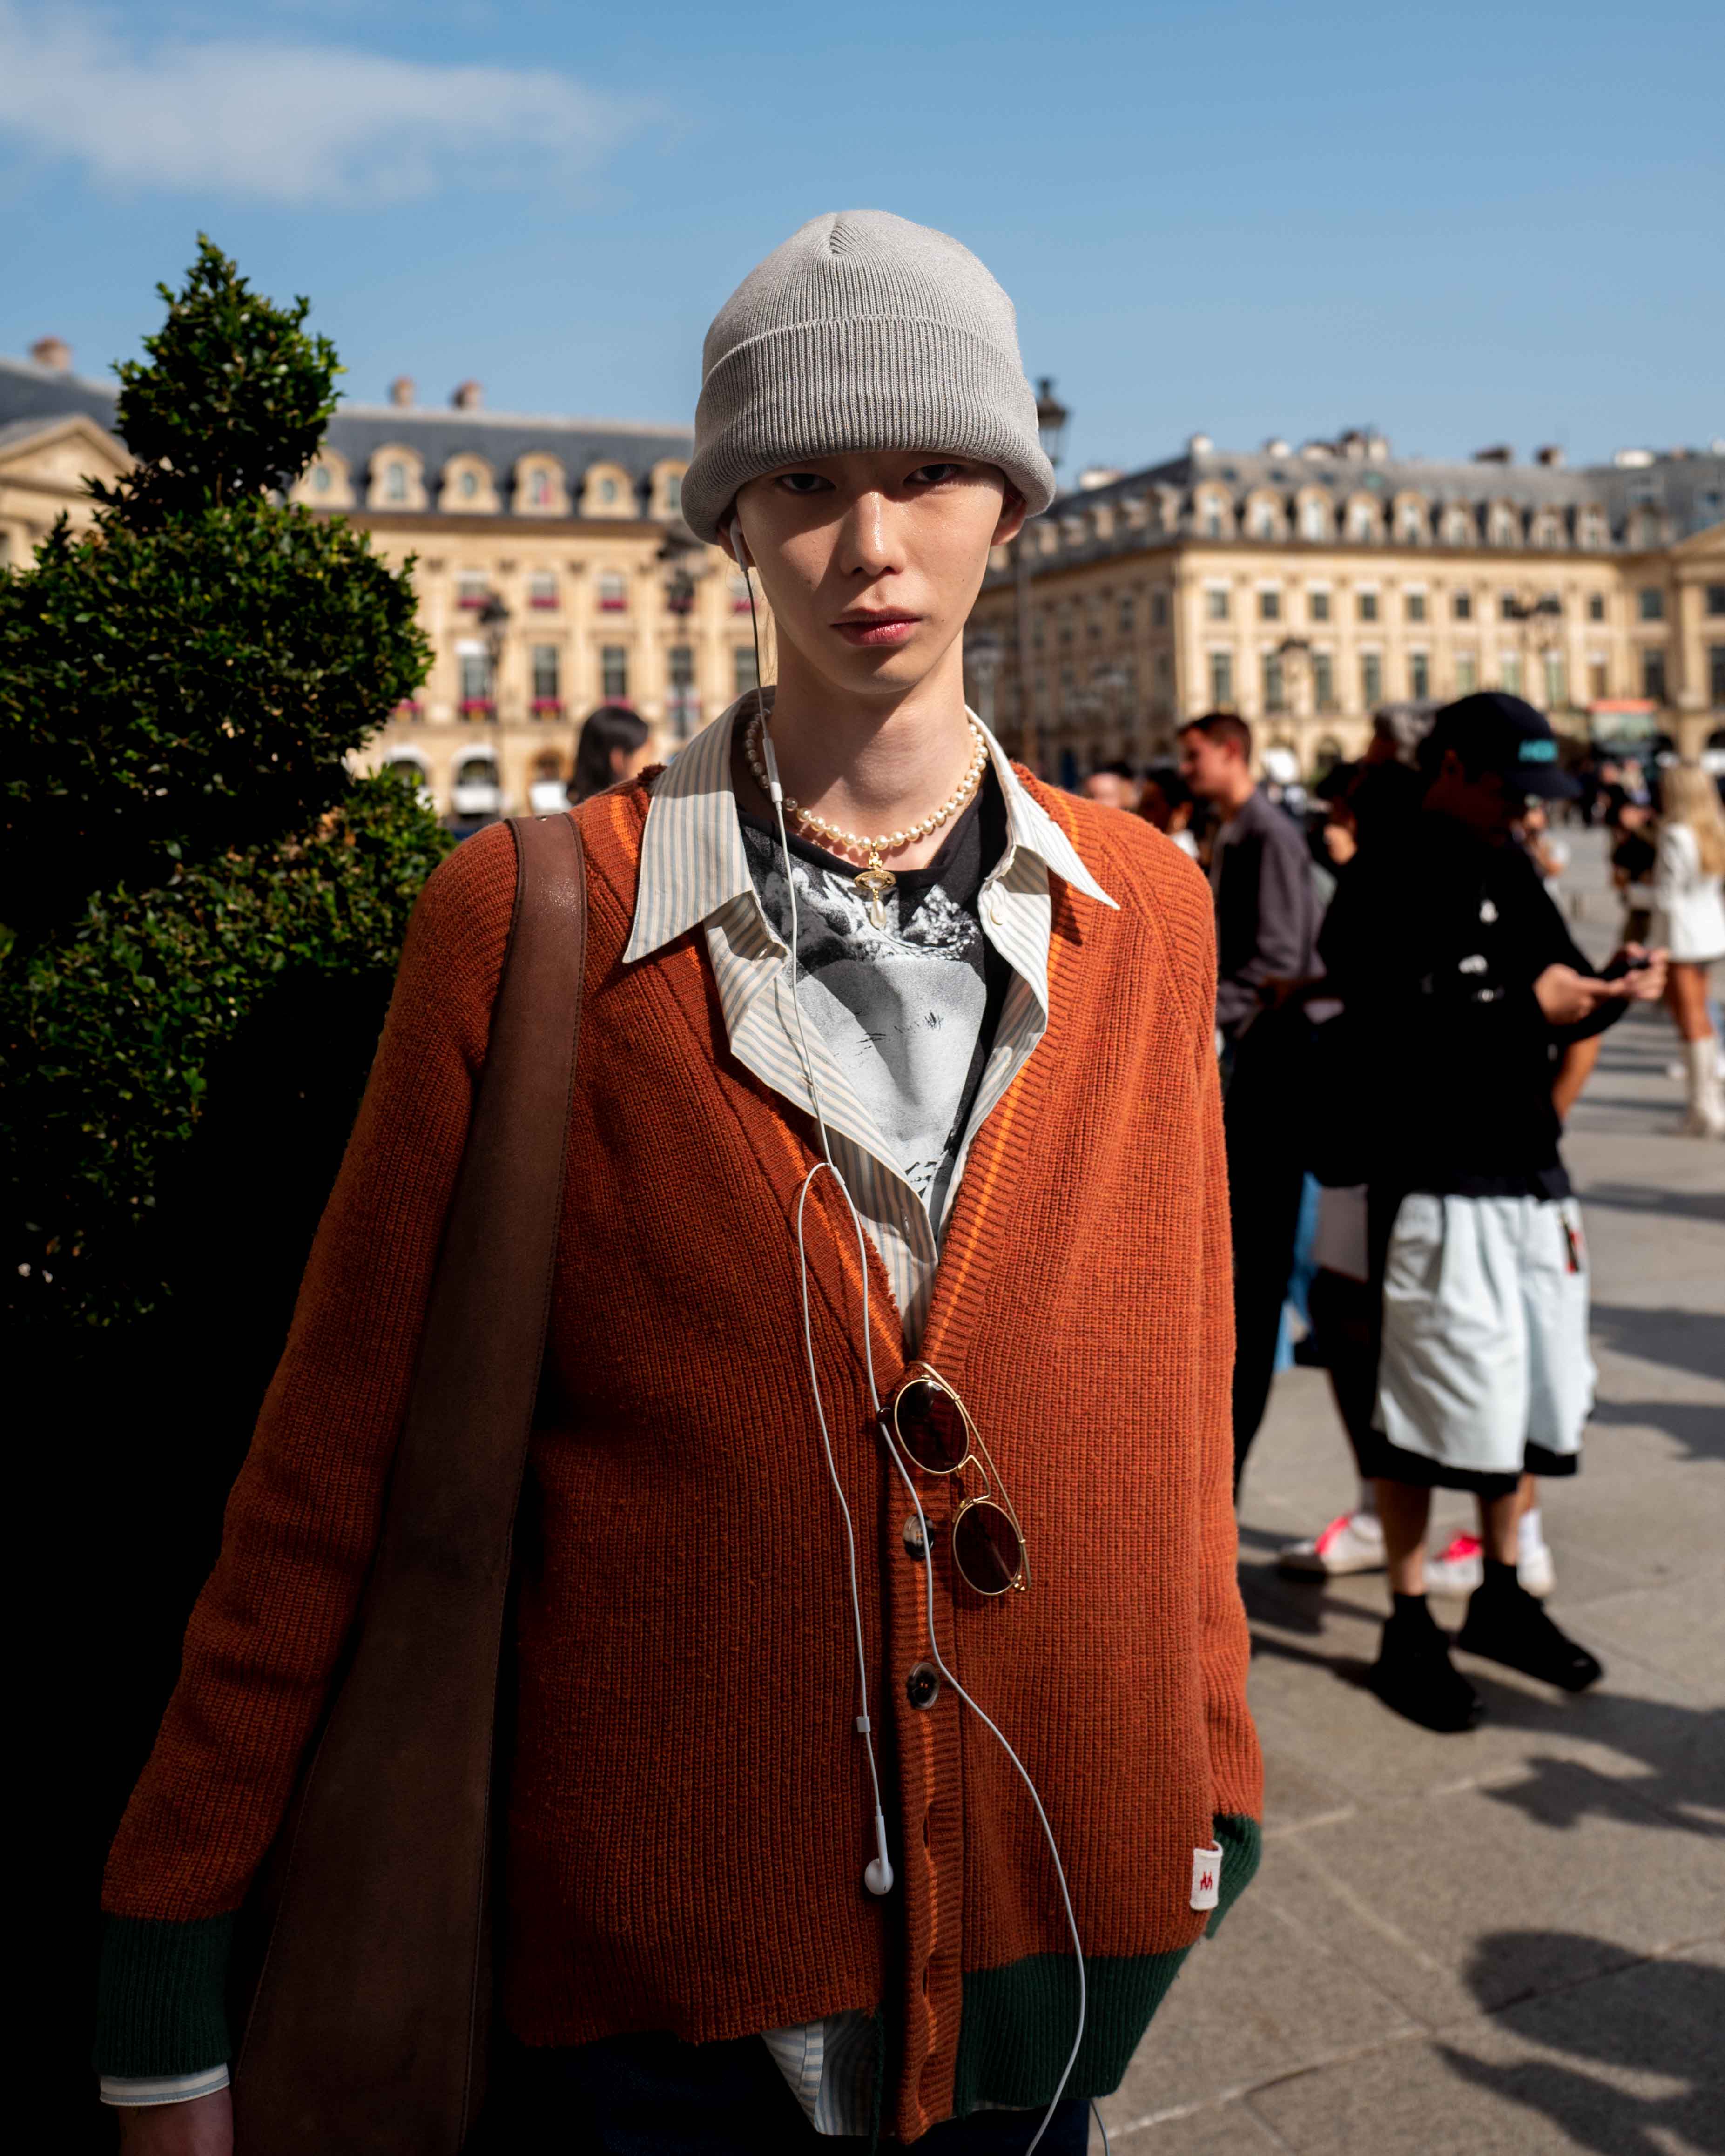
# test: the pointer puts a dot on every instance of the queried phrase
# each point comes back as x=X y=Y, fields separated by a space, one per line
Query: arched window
x=1314 y=518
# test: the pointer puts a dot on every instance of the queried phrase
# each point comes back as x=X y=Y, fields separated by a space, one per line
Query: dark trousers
x=652 y=2096
x=1263 y=1116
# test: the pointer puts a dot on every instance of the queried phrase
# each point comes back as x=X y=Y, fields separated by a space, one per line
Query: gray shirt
x=1266 y=910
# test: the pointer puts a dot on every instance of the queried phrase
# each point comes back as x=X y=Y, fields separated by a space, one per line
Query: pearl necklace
x=876 y=879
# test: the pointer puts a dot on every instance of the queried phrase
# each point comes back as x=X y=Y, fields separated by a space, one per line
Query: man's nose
x=869 y=541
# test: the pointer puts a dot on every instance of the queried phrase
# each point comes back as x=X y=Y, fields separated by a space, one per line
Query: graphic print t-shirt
x=908 y=1010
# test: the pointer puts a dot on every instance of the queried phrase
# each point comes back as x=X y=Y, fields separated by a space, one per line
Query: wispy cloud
x=299 y=124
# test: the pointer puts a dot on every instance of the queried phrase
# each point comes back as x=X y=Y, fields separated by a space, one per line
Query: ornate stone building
x=1307 y=587
x=552 y=566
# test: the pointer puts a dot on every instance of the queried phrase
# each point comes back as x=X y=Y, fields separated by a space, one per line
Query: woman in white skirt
x=1687 y=884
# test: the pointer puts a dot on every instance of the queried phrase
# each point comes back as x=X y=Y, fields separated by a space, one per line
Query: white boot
x=1706 y=1099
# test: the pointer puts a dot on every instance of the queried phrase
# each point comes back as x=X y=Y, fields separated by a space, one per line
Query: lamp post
x=493 y=621
x=1110 y=680
x=1051 y=418
x=682 y=699
x=982 y=654
x=1538 y=622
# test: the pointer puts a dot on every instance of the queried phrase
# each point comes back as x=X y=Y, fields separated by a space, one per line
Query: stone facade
x=552 y=566
x=1306 y=589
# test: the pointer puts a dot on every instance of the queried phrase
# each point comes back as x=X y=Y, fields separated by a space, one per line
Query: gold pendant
x=875 y=880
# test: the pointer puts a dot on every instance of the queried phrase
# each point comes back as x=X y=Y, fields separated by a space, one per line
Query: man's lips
x=876 y=629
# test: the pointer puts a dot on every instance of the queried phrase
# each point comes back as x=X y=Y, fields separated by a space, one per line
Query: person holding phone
x=1457 y=978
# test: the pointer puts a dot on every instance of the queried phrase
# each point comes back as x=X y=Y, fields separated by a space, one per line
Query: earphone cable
x=863 y=1721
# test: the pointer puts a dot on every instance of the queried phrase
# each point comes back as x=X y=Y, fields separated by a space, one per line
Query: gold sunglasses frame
x=977 y=1455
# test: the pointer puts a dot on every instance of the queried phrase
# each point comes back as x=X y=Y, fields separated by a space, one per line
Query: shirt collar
x=693 y=861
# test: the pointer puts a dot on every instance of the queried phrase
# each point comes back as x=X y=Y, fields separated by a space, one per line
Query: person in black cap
x=1458 y=980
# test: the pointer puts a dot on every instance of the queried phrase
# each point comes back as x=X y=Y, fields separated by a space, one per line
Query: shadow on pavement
x=1696 y=1424
x=1692 y=1340
x=1649 y=1197
x=1659 y=2017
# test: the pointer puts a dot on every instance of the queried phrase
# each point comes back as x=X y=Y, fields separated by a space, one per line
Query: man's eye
x=802 y=482
x=934 y=475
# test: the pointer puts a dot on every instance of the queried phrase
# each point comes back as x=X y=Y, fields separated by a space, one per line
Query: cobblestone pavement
x=1514 y=1939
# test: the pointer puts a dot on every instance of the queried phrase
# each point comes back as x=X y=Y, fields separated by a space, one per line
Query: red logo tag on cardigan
x=1207 y=1877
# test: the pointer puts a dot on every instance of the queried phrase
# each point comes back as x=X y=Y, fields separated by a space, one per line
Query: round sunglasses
x=933 y=1425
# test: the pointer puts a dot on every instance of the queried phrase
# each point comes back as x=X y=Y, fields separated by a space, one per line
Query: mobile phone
x=1623 y=964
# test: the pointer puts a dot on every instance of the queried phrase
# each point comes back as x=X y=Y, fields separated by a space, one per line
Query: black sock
x=1499 y=1579
x=1410 y=1609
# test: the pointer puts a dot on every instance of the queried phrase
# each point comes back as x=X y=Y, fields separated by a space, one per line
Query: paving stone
x=1222 y=2129
x=1260 y=1998
x=1446 y=1871
x=1483 y=2093
x=1678 y=1628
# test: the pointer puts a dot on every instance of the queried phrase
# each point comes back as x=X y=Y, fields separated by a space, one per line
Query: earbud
x=737 y=547
x=878 y=1875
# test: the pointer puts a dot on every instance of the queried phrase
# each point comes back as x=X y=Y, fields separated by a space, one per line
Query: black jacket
x=1434 y=943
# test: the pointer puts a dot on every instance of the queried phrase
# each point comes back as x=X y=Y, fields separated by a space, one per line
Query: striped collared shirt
x=695 y=873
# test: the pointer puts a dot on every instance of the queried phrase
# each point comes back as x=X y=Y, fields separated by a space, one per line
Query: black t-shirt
x=1434 y=943
x=909 y=1010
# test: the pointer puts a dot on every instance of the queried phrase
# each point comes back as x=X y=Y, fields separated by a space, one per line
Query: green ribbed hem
x=161 y=2007
x=1242 y=1841
x=1019 y=2021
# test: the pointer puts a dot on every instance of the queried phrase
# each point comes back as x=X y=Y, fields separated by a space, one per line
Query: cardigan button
x=922 y=1685
x=915 y=1546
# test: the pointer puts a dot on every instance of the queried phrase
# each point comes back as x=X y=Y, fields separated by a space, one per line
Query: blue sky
x=1461 y=224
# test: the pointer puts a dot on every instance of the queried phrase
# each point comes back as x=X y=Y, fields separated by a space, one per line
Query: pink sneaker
x=1461 y=1568
x=1352 y=1542
x=1458 y=1570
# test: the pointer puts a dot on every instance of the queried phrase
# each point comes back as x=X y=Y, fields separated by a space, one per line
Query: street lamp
x=982 y=654
x=1051 y=418
x=493 y=620
x=683 y=700
x=1538 y=621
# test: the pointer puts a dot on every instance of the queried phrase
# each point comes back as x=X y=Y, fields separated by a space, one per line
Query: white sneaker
x=1460 y=1567
x=1352 y=1542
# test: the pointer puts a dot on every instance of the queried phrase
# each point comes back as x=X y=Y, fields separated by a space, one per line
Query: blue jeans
x=652 y=2096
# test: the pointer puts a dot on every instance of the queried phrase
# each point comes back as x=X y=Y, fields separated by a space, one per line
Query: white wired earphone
x=877 y=1875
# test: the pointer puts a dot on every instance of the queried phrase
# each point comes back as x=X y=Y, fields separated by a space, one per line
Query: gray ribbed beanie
x=863 y=332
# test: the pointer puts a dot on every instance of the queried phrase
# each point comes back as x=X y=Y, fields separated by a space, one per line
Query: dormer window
x=539 y=490
x=395 y=480
x=467 y=486
x=322 y=481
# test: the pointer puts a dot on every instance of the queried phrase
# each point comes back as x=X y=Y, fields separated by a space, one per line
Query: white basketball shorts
x=1484 y=1363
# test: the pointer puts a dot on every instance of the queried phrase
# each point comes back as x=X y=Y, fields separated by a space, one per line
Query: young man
x=1266 y=931
x=1457 y=978
x=998 y=1017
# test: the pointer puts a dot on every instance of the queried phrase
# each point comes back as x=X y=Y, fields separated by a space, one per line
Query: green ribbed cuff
x=161 y=1998
x=1242 y=1841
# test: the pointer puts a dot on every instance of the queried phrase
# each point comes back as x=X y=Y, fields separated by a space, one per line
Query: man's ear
x=1012 y=517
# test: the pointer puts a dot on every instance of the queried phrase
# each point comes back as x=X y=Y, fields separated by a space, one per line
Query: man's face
x=1110 y=789
x=1482 y=800
x=871 y=562
x=1211 y=768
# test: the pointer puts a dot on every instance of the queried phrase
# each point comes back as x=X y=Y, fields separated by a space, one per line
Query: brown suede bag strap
x=368 y=2029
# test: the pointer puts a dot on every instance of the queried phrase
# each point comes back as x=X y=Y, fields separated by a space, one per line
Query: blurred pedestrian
x=1165 y=803
x=1266 y=930
x=1114 y=785
x=613 y=746
x=1633 y=861
x=1688 y=877
x=1457 y=977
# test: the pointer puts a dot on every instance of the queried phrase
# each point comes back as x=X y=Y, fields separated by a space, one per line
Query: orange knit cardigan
x=688 y=1809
